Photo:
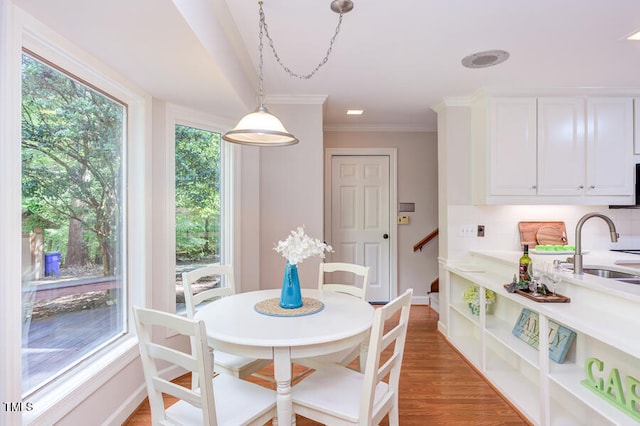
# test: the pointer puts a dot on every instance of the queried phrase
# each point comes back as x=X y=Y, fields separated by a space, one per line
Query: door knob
x=385 y=236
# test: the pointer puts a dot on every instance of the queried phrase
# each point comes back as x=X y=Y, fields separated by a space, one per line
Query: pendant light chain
x=263 y=24
x=261 y=61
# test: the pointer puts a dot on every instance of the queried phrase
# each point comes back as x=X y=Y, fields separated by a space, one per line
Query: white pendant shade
x=260 y=128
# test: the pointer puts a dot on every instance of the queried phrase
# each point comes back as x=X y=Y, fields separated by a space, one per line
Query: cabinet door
x=561 y=146
x=609 y=146
x=512 y=139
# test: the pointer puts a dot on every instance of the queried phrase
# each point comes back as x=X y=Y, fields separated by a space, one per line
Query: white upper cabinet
x=610 y=159
x=561 y=146
x=512 y=135
x=553 y=150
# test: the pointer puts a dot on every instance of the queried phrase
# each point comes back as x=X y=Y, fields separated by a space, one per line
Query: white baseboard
x=419 y=300
x=127 y=408
x=434 y=301
x=131 y=404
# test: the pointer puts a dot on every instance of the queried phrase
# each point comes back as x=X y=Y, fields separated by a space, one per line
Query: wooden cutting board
x=549 y=234
x=540 y=233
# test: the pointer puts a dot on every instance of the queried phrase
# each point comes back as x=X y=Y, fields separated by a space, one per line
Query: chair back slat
x=350 y=275
x=391 y=336
x=173 y=356
x=225 y=288
x=383 y=371
x=180 y=392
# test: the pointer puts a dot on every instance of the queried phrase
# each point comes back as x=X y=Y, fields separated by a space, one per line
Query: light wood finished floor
x=437 y=386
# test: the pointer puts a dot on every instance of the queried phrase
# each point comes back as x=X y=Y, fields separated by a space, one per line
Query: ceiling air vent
x=485 y=59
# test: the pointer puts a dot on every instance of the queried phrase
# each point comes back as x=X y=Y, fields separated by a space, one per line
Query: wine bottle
x=524 y=272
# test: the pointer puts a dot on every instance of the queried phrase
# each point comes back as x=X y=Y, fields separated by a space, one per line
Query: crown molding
x=296 y=99
x=376 y=128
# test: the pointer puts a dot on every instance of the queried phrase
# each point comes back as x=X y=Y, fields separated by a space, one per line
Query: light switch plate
x=467 y=231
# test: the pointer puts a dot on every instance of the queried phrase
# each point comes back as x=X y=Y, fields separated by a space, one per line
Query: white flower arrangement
x=299 y=246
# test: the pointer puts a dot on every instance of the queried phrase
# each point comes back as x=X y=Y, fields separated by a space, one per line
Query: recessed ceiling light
x=355 y=112
x=634 y=36
x=485 y=59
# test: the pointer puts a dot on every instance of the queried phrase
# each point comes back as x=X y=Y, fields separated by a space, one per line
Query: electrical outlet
x=480 y=230
x=467 y=230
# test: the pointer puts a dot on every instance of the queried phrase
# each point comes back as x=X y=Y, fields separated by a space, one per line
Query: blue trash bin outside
x=52 y=263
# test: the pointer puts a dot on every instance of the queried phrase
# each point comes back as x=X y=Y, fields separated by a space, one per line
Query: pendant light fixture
x=261 y=128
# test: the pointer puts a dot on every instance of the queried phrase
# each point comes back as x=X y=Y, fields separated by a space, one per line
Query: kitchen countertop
x=624 y=262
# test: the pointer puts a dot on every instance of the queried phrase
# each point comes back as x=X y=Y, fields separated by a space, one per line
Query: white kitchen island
x=604 y=313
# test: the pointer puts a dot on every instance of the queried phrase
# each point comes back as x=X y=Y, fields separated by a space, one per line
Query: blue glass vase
x=291 y=297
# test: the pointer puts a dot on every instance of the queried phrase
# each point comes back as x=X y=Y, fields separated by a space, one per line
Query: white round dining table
x=233 y=325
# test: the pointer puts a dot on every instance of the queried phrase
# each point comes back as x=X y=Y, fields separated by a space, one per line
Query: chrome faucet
x=577 y=257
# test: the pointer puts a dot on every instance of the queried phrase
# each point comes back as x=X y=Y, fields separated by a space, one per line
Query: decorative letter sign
x=627 y=399
x=560 y=338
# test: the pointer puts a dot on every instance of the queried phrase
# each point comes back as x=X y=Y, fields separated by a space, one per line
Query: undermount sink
x=634 y=280
x=608 y=273
x=613 y=274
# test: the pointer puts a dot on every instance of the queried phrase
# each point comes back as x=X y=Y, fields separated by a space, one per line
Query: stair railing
x=418 y=246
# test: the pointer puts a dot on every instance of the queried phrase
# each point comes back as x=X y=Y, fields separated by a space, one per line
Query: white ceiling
x=395 y=60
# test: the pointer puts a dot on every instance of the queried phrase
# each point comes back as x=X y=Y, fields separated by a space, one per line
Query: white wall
x=417 y=183
x=454 y=182
x=501 y=226
x=290 y=190
x=247 y=234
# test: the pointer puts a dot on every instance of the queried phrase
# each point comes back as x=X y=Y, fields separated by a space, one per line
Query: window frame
x=178 y=115
x=72 y=388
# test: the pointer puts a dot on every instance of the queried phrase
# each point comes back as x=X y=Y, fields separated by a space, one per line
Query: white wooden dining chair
x=352 y=279
x=346 y=278
x=225 y=400
x=337 y=395
x=225 y=363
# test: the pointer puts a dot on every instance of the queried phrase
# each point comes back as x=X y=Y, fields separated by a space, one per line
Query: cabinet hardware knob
x=534 y=187
x=592 y=187
x=581 y=187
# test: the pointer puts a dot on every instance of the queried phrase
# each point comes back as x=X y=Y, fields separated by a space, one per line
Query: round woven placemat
x=272 y=307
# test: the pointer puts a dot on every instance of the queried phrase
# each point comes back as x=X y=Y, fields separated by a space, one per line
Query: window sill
x=60 y=397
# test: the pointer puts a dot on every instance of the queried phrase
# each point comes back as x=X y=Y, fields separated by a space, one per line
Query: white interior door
x=360 y=222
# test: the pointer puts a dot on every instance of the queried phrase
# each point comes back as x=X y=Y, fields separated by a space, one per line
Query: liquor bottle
x=524 y=273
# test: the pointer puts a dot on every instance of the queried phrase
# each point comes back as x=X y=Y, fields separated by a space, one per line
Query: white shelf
x=521 y=392
x=501 y=331
x=566 y=409
x=464 y=311
x=548 y=393
x=465 y=336
x=570 y=380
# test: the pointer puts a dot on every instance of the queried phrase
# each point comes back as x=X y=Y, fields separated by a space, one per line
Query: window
x=198 y=203
x=73 y=286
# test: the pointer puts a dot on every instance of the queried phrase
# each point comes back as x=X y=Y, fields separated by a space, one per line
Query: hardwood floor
x=437 y=386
